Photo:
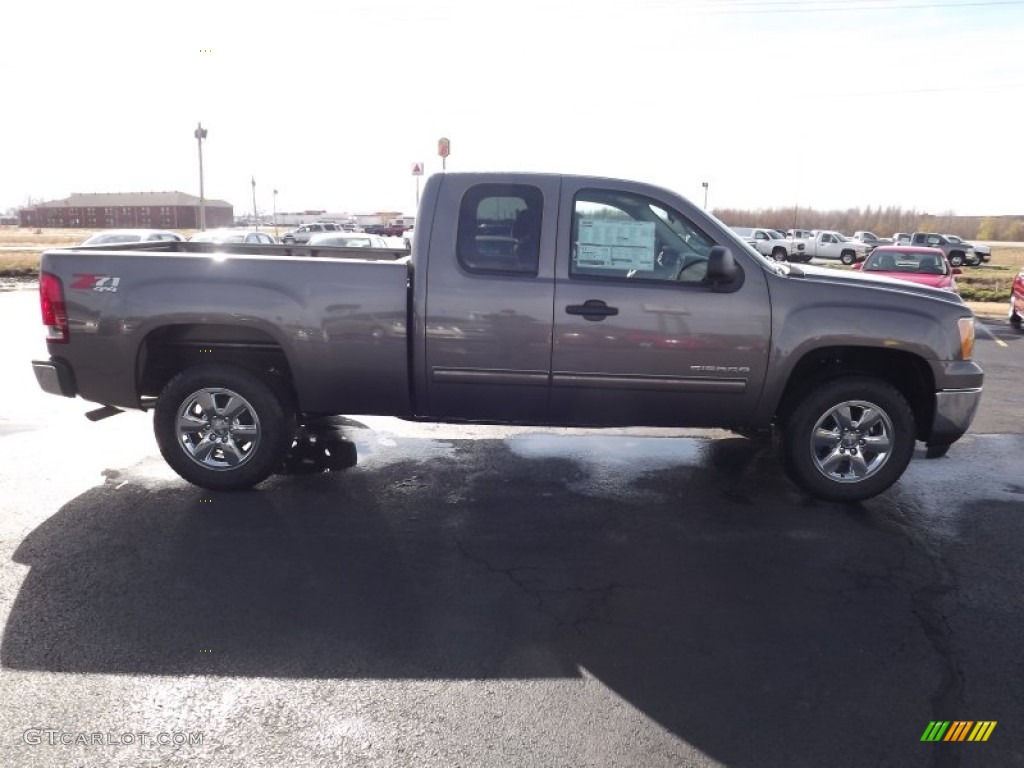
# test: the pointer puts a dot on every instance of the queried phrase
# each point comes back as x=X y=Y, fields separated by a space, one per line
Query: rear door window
x=499 y=229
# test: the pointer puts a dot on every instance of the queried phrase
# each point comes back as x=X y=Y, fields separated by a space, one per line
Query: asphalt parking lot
x=482 y=596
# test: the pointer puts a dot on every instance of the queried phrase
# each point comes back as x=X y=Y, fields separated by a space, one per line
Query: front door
x=640 y=338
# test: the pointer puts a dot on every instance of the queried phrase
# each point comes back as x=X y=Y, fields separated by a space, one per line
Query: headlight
x=966 y=326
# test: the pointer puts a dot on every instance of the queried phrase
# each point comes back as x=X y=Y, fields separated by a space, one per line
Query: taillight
x=55 y=313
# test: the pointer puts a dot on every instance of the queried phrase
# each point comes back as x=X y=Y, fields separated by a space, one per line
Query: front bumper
x=55 y=377
x=954 y=411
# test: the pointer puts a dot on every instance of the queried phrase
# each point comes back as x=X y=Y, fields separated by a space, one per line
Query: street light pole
x=705 y=185
x=255 y=220
x=200 y=134
x=275 y=214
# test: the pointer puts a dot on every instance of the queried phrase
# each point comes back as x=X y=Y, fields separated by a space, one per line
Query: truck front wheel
x=848 y=257
x=222 y=427
x=779 y=254
x=956 y=259
x=849 y=439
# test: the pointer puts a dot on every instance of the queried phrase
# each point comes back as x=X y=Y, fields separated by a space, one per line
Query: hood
x=935 y=281
x=855 y=279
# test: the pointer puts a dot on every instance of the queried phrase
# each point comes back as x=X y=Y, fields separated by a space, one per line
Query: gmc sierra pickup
x=527 y=299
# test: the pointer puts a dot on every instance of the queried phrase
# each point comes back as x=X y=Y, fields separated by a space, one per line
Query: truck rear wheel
x=222 y=427
x=849 y=439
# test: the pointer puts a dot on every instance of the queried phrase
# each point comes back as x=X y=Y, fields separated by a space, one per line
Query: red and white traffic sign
x=417 y=169
x=444 y=147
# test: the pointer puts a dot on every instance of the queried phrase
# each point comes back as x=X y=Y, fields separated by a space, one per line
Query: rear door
x=488 y=312
x=640 y=337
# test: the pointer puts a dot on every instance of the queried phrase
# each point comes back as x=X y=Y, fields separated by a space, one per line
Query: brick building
x=128 y=210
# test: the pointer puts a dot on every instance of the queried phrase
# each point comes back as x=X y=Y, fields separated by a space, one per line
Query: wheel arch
x=909 y=373
x=170 y=349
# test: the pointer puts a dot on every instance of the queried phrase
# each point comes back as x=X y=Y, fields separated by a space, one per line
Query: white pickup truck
x=870 y=239
x=828 y=244
x=771 y=243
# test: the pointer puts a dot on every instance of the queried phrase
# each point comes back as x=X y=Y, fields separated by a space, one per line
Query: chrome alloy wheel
x=852 y=441
x=218 y=429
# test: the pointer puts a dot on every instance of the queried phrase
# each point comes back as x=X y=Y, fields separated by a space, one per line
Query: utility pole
x=275 y=214
x=255 y=219
x=200 y=134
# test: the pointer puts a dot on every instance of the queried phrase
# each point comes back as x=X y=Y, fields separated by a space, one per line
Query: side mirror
x=721 y=265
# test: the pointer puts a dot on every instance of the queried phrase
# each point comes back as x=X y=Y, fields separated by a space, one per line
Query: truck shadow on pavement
x=757 y=625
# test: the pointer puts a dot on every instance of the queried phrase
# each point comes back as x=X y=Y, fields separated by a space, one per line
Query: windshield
x=913 y=262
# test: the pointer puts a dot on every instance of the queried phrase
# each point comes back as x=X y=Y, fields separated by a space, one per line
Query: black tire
x=1015 y=321
x=956 y=259
x=779 y=254
x=242 y=427
x=974 y=261
x=848 y=257
x=804 y=455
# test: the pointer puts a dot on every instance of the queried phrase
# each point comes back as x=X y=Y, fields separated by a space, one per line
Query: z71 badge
x=95 y=283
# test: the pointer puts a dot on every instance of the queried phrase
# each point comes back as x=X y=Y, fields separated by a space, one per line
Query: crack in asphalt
x=596 y=604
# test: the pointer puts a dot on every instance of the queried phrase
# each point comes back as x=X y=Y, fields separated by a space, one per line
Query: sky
x=772 y=103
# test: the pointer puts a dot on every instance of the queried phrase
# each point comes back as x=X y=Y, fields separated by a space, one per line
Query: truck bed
x=339 y=324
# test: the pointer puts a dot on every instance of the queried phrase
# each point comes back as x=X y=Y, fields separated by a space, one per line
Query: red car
x=926 y=266
x=1017 y=300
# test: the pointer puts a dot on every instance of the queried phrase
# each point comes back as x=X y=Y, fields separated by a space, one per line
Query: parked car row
x=114 y=236
x=805 y=244
x=321 y=235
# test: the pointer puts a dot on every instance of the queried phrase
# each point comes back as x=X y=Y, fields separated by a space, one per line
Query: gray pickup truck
x=958 y=253
x=527 y=299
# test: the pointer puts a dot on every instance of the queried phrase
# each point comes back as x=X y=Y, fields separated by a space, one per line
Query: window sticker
x=616 y=244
